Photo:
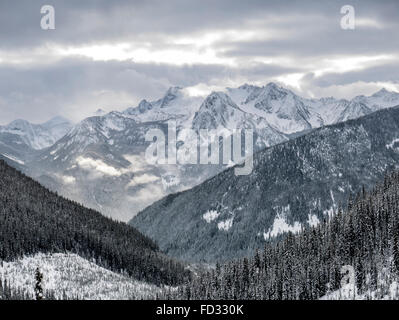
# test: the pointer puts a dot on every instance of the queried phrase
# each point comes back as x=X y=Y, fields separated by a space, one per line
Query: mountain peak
x=247 y=87
x=217 y=109
x=381 y=92
x=18 y=123
x=170 y=95
x=174 y=90
x=217 y=96
x=100 y=112
x=144 y=105
x=274 y=89
x=57 y=120
x=272 y=85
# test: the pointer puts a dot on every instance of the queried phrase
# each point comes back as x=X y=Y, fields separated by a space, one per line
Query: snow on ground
x=225 y=225
x=69 y=275
x=313 y=220
x=348 y=292
x=391 y=145
x=13 y=158
x=329 y=212
x=280 y=225
x=210 y=215
x=387 y=288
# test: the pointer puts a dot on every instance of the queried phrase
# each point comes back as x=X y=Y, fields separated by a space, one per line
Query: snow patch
x=281 y=226
x=225 y=225
x=210 y=216
x=313 y=221
x=13 y=158
x=390 y=145
x=387 y=289
x=68 y=179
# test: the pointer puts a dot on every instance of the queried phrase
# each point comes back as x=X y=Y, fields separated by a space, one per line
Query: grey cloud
x=303 y=30
x=77 y=87
x=383 y=73
x=100 y=20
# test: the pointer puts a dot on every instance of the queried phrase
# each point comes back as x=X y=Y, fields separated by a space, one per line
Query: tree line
x=308 y=265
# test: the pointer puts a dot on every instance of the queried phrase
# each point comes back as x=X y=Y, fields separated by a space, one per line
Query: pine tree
x=38 y=286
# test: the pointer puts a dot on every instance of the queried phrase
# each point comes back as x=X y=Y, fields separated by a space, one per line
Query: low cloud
x=97 y=168
x=142 y=179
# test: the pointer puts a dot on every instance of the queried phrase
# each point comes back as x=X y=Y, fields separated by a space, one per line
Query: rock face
x=293 y=184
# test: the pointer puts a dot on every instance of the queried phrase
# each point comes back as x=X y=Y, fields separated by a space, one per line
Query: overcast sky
x=111 y=54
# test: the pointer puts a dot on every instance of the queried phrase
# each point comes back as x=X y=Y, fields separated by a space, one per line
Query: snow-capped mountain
x=176 y=104
x=21 y=140
x=100 y=161
x=289 y=113
x=293 y=184
x=38 y=136
x=283 y=109
x=219 y=112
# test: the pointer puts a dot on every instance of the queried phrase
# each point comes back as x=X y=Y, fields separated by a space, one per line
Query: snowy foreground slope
x=387 y=289
x=69 y=276
x=35 y=220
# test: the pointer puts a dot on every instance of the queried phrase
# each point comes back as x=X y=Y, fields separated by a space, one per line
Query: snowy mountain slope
x=290 y=113
x=219 y=112
x=176 y=104
x=293 y=184
x=13 y=148
x=69 y=276
x=38 y=136
x=101 y=163
x=284 y=110
x=21 y=141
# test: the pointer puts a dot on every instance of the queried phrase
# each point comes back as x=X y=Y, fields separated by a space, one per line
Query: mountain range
x=100 y=161
x=36 y=136
x=310 y=156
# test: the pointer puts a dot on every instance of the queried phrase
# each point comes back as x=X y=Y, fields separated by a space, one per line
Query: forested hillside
x=67 y=276
x=33 y=220
x=308 y=265
x=293 y=184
